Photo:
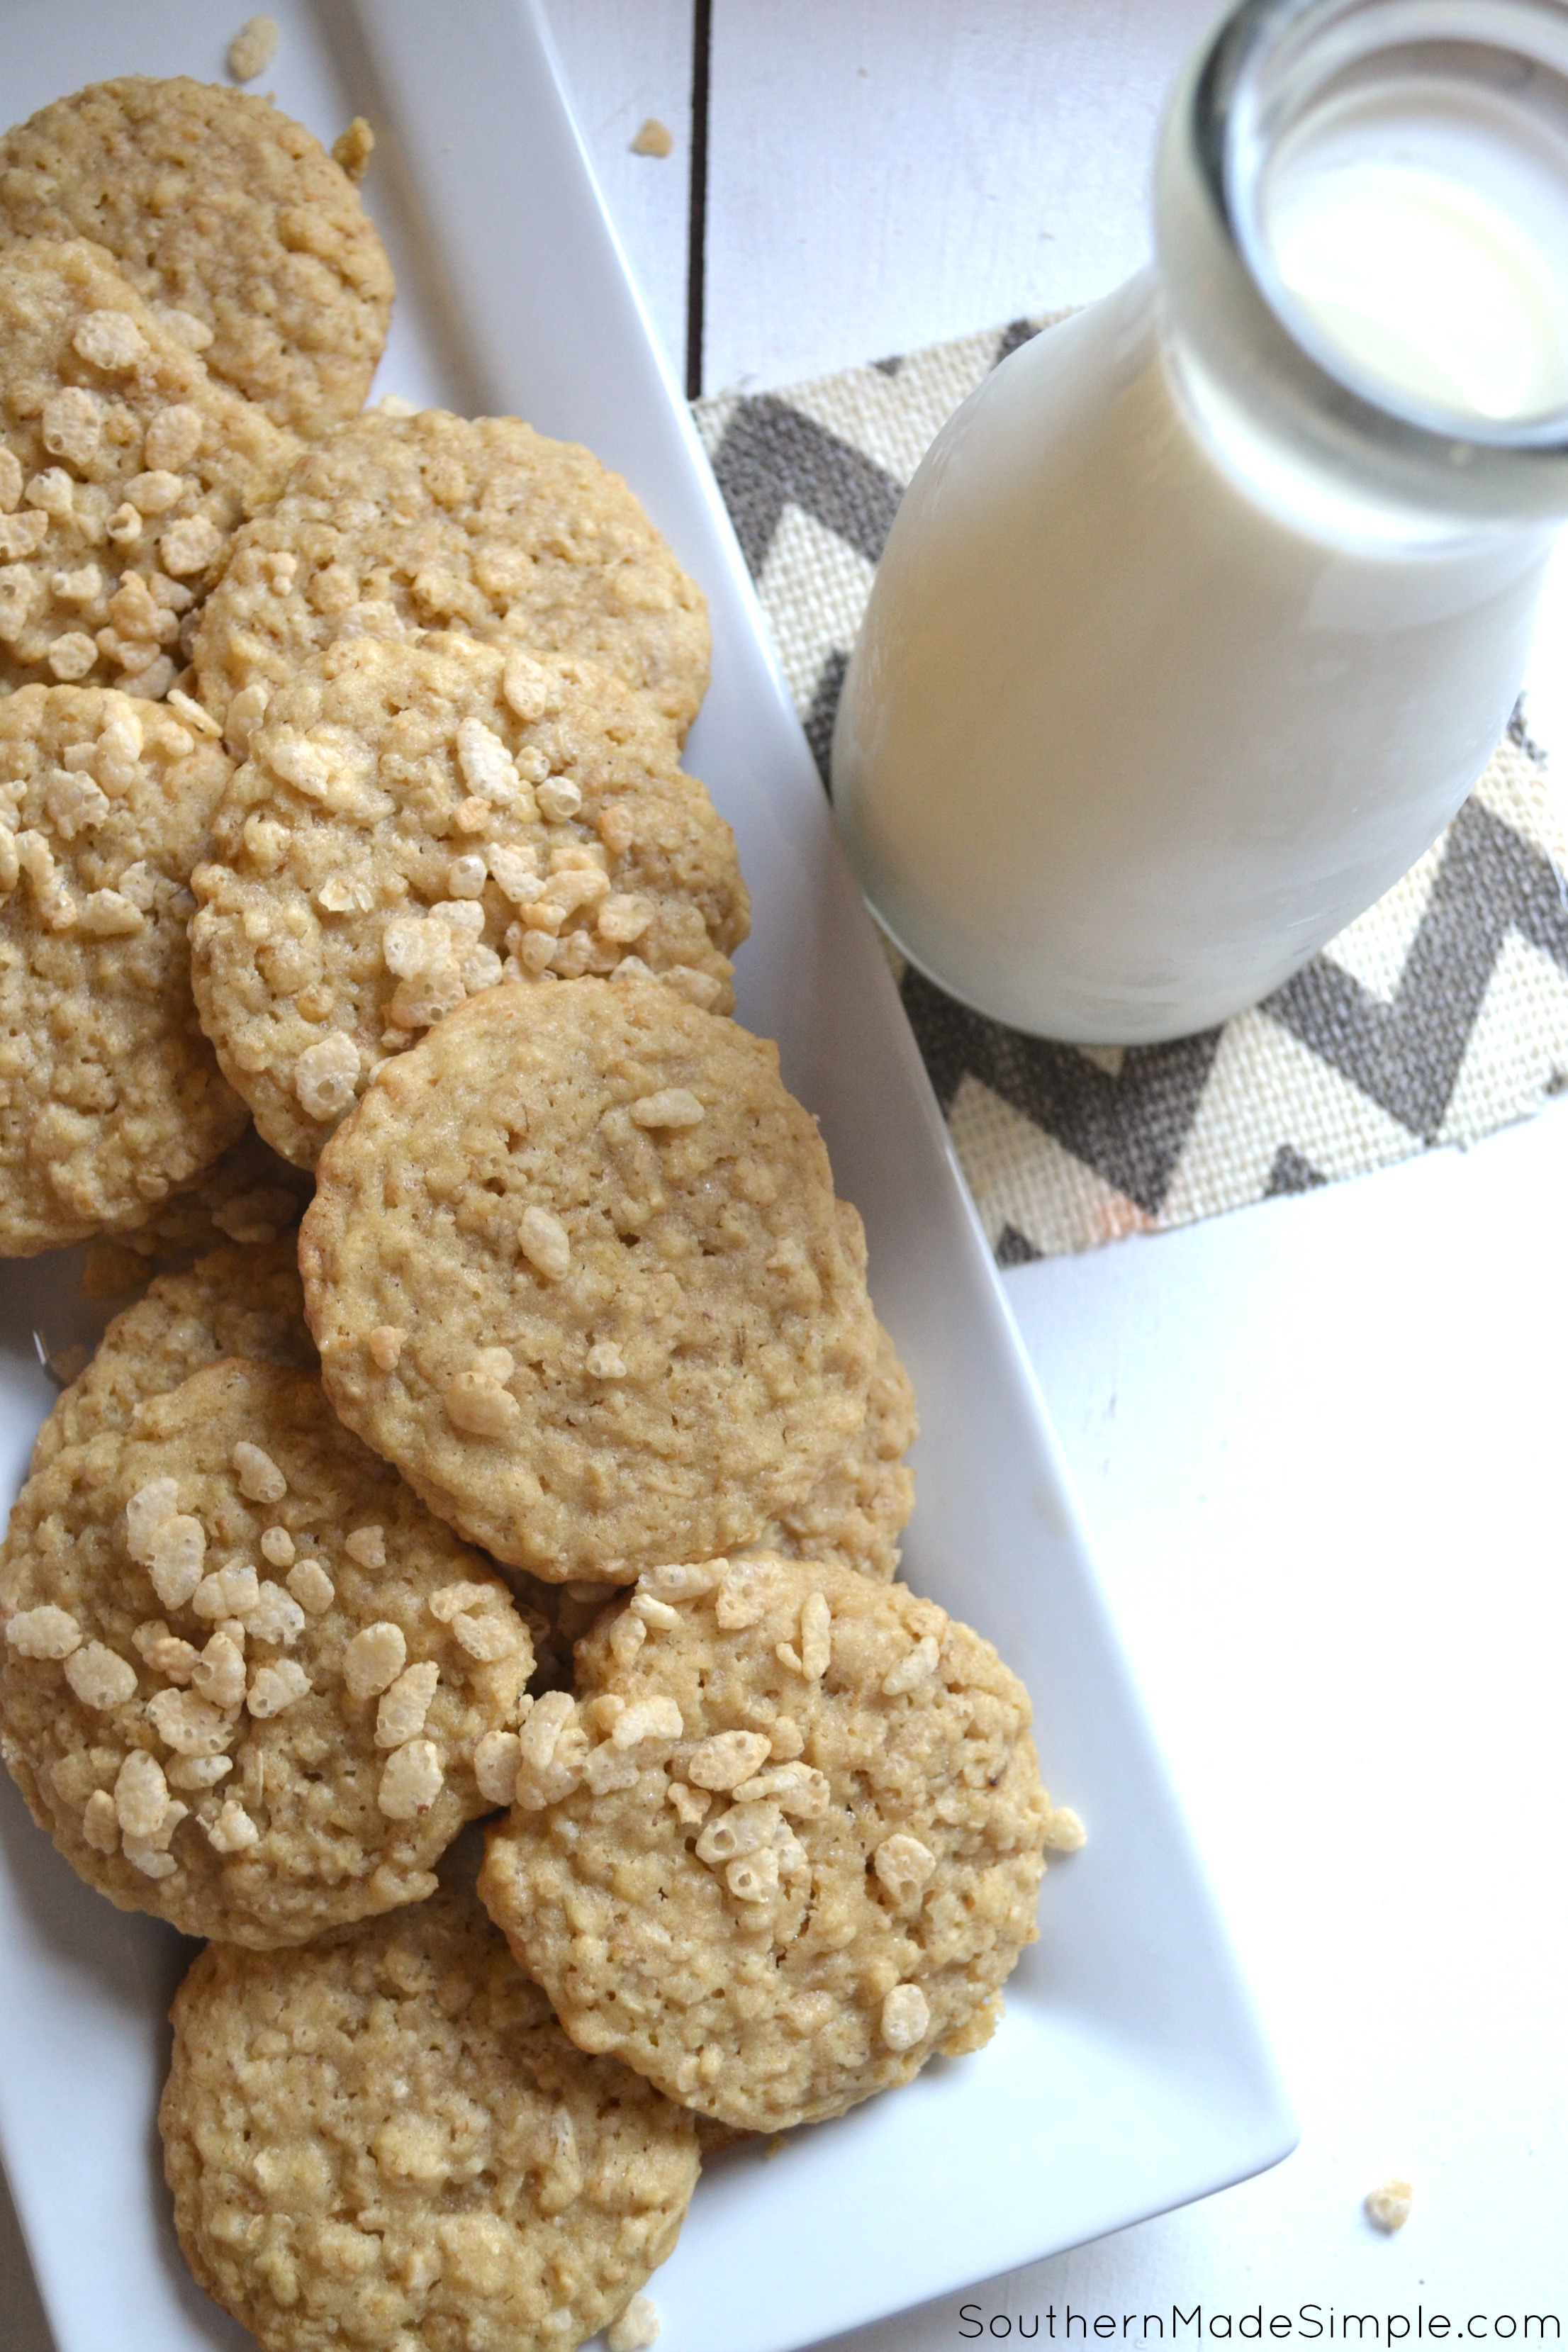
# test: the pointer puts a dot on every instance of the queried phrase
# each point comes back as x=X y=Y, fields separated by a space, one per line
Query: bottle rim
x=1256 y=78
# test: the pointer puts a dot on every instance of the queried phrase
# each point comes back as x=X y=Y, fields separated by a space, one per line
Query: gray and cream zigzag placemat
x=1440 y=1014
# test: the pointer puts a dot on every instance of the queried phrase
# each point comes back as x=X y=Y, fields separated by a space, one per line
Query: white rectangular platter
x=1130 y=2074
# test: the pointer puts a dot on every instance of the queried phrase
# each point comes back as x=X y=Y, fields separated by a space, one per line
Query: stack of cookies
x=551 y=1467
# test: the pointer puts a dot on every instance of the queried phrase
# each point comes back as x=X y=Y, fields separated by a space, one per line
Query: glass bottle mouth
x=1363 y=220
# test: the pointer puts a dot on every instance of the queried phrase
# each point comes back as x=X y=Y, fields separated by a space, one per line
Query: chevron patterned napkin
x=1438 y=1015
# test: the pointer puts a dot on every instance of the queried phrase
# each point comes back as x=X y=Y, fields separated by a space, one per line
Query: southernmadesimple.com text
x=1310 y=2323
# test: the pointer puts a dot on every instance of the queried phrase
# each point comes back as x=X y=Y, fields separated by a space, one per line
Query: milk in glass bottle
x=1205 y=613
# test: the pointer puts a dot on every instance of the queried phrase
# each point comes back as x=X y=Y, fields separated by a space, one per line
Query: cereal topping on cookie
x=249 y=241
x=836 y=1858
x=407 y=2133
x=109 y=1096
x=282 y=1757
x=105 y=551
x=397 y=524
x=349 y=902
x=494 y=1198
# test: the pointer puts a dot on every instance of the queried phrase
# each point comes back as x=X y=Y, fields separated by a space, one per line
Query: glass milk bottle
x=1205 y=613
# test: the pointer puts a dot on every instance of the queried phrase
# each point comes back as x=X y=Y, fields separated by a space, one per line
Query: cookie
x=785 y=1846
x=252 y=1197
x=574 y=1266
x=233 y=1302
x=245 y=1673
x=419 y=819
x=861 y=1503
x=124 y=467
x=391 y=2141
x=397 y=524
x=219 y=208
x=111 y=1098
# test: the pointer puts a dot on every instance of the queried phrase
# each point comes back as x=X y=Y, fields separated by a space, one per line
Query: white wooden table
x=1321 y=1442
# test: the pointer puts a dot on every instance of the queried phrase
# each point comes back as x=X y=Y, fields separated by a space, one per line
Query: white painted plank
x=882 y=175
x=625 y=60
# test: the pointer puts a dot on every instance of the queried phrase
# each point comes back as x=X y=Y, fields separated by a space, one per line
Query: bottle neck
x=1362 y=219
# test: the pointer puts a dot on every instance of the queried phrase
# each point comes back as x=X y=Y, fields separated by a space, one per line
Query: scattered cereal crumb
x=277 y=1547
x=353 y=148
x=412 y=1781
x=495 y=1759
x=45 y=1633
x=100 y=1823
x=273 y=1688
x=253 y=47
x=326 y=1074
x=545 y=1244
x=234 y=1831
x=915 y=1667
x=374 y=1659
x=671 y=1106
x=99 y=1676
x=906 y=2013
x=637 y=2325
x=404 y=1705
x=1388 y=2208
x=1065 y=1832
x=259 y=1478
x=311 y=1587
x=368 y=1546
x=605 y=1362
x=386 y=1346
x=654 y=139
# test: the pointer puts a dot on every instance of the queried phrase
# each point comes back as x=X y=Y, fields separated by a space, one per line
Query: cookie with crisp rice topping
x=390 y=2138
x=575 y=1265
x=125 y=468
x=111 y=1098
x=785 y=1843
x=250 y=241
x=245 y=1676
x=233 y=1302
x=395 y=524
x=418 y=820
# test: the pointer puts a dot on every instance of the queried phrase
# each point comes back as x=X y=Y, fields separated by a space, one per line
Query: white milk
x=1147 y=707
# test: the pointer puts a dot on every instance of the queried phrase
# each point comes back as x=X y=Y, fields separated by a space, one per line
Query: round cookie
x=786 y=1844
x=111 y=1098
x=418 y=820
x=574 y=1266
x=397 y=524
x=233 y=1302
x=251 y=1197
x=862 y=1504
x=124 y=467
x=218 y=205
x=413 y=2150
x=245 y=1673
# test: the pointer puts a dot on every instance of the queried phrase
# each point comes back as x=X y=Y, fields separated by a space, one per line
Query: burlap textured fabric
x=1437 y=1016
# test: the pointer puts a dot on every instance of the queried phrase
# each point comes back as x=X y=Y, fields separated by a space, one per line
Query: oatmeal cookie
x=397 y=524
x=252 y=1197
x=390 y=2140
x=784 y=1844
x=573 y=1264
x=862 y=1504
x=111 y=1098
x=124 y=467
x=418 y=820
x=245 y=1675
x=233 y=1302
x=221 y=210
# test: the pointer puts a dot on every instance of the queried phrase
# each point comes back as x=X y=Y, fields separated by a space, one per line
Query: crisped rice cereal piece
x=413 y=2149
x=772 y=1949
x=111 y=1098
x=241 y=1791
x=559 y=1172
x=219 y=208
x=397 y=524
x=233 y=1302
x=401 y=837
x=125 y=468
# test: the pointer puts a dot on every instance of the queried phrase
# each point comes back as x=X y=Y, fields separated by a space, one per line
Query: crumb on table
x=654 y=138
x=1388 y=2207
x=253 y=47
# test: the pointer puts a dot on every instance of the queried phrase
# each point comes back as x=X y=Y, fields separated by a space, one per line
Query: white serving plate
x=1130 y=2074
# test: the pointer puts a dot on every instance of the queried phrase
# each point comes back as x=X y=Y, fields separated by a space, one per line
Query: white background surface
x=1320 y=1443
